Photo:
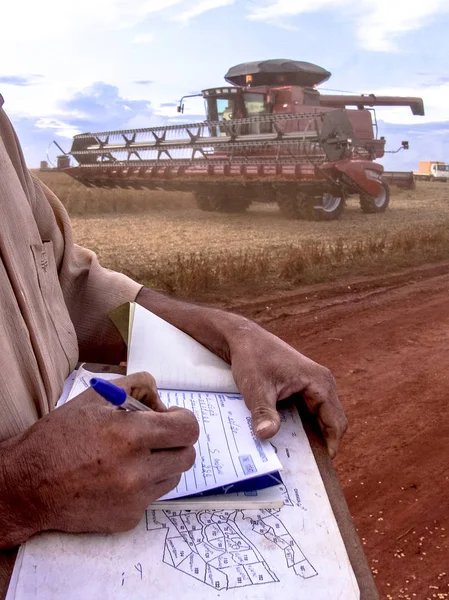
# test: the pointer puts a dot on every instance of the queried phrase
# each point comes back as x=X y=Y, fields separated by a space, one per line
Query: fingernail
x=264 y=425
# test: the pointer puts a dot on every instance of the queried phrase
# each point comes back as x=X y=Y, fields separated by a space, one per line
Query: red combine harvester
x=270 y=136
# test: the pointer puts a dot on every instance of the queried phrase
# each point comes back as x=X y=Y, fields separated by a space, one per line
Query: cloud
x=36 y=140
x=384 y=21
x=56 y=19
x=168 y=104
x=428 y=141
x=436 y=101
x=99 y=107
x=430 y=80
x=144 y=82
x=58 y=127
x=143 y=38
x=198 y=8
x=19 y=80
x=378 y=23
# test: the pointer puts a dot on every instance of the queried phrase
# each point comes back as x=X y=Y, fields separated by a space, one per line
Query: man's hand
x=88 y=466
x=267 y=370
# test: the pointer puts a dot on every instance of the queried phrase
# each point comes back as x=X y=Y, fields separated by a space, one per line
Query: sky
x=92 y=65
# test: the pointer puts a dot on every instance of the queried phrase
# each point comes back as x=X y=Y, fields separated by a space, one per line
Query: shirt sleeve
x=90 y=290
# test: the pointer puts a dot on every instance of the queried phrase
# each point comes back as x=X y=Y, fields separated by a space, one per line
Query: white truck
x=432 y=170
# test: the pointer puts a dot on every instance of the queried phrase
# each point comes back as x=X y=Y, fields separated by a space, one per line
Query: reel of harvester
x=226 y=163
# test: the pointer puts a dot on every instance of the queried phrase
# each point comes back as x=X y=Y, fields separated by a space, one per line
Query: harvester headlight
x=375 y=175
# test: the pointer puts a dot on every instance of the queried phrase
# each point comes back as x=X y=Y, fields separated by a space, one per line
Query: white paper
x=227 y=451
x=68 y=384
x=271 y=497
x=295 y=553
x=82 y=381
x=176 y=360
x=11 y=592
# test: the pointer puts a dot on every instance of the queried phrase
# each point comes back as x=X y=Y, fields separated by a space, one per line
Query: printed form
x=227 y=450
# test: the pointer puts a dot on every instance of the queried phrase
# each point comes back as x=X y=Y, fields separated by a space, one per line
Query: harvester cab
x=269 y=135
x=288 y=87
x=234 y=104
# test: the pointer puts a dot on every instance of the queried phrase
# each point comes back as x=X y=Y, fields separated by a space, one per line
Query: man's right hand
x=89 y=467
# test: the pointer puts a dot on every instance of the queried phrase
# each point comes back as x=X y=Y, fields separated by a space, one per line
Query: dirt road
x=387 y=342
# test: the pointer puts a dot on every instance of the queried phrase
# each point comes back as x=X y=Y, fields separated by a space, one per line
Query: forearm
x=213 y=328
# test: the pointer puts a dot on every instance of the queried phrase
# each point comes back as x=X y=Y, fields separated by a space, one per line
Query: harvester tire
x=293 y=206
x=232 y=204
x=209 y=202
x=203 y=202
x=328 y=207
x=221 y=202
x=376 y=205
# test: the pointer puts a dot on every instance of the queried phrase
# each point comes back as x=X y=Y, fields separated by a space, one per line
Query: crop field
x=162 y=238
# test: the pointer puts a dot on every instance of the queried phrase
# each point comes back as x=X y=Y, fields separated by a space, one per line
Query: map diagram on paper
x=210 y=546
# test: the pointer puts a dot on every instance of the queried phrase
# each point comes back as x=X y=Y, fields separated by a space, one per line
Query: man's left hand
x=267 y=370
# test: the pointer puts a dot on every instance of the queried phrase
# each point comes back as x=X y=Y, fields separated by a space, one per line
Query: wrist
x=230 y=332
x=21 y=515
x=216 y=329
x=242 y=335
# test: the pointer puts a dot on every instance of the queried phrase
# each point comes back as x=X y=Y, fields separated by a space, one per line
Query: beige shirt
x=54 y=299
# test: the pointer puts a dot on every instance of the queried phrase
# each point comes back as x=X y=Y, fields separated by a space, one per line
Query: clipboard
x=331 y=483
x=351 y=540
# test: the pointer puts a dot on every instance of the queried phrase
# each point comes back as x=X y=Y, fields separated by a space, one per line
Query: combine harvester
x=270 y=136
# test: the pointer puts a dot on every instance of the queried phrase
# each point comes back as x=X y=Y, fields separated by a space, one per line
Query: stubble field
x=163 y=239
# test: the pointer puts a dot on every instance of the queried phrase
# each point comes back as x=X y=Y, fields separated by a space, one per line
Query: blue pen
x=116 y=395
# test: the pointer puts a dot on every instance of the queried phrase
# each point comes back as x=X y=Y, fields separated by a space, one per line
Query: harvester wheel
x=293 y=206
x=221 y=202
x=209 y=202
x=234 y=204
x=328 y=207
x=203 y=201
x=376 y=205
